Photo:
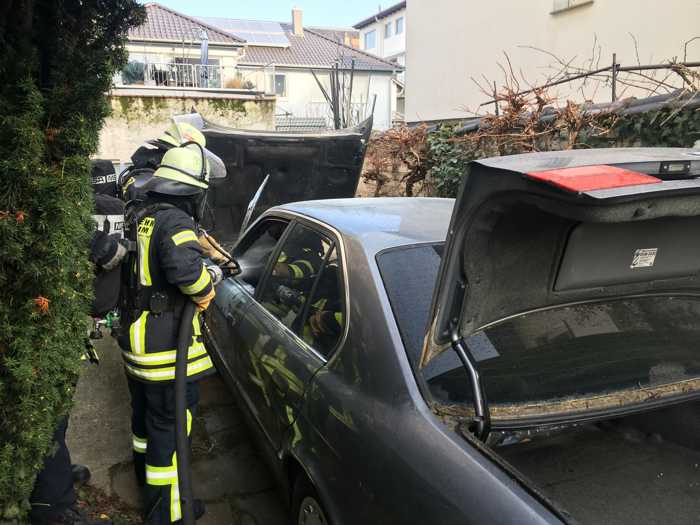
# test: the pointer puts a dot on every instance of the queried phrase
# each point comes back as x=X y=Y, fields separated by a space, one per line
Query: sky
x=331 y=13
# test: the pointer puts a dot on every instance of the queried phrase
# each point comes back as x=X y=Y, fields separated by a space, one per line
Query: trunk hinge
x=482 y=419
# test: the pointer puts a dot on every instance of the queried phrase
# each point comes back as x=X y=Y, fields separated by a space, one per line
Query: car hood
x=537 y=231
x=301 y=166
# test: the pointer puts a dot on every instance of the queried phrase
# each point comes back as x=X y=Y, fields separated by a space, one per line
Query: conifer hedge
x=57 y=59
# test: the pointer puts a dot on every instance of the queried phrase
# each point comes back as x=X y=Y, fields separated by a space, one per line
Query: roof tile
x=314 y=49
x=162 y=23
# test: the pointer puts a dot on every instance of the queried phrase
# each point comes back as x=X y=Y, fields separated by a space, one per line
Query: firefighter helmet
x=179 y=133
x=183 y=172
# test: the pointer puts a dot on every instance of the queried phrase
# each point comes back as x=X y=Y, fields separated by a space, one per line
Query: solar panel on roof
x=254 y=32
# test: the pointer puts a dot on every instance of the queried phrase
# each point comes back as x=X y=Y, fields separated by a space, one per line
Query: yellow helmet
x=179 y=133
x=183 y=171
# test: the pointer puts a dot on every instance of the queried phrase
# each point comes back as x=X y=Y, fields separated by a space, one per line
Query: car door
x=274 y=334
x=234 y=297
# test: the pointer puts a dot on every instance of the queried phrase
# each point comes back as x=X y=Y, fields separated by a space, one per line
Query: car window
x=293 y=274
x=324 y=322
x=254 y=250
x=612 y=350
x=304 y=289
x=409 y=274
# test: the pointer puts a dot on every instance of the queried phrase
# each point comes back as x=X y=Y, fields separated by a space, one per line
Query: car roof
x=382 y=222
x=551 y=160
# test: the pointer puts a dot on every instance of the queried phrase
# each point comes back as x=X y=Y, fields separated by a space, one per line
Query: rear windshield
x=409 y=274
x=592 y=356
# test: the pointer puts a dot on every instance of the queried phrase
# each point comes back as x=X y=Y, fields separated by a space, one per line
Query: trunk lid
x=563 y=275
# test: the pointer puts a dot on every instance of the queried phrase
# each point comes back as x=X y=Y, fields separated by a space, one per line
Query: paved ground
x=228 y=473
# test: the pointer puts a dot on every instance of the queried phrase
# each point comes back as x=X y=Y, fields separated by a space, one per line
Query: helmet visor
x=217 y=168
x=194 y=119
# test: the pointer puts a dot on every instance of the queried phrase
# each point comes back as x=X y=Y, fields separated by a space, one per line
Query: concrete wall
x=137 y=117
x=387 y=47
x=452 y=41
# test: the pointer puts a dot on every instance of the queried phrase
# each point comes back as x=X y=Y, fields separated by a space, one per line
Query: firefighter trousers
x=53 y=489
x=155 y=462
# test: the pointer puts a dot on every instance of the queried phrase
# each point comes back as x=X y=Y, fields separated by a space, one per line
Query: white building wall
x=386 y=47
x=453 y=41
x=303 y=97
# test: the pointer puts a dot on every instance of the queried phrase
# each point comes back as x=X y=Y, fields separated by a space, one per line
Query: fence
x=187 y=75
x=614 y=70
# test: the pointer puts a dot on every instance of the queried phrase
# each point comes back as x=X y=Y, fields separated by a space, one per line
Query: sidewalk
x=228 y=473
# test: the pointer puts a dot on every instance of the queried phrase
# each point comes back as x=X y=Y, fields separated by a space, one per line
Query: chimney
x=296 y=22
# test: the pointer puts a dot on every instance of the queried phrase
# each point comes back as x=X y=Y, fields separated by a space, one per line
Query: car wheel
x=306 y=504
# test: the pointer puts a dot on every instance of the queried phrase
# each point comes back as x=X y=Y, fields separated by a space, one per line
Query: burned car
x=524 y=354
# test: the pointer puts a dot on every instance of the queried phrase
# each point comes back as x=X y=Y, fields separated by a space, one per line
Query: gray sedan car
x=524 y=354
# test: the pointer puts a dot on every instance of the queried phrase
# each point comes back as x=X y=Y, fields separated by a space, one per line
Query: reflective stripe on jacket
x=168 y=263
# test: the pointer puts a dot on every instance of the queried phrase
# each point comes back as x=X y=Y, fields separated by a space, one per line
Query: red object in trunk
x=587 y=178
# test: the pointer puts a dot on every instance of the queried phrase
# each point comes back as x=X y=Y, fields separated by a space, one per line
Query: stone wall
x=139 y=116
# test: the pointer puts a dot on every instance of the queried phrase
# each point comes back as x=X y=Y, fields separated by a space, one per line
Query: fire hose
x=182 y=448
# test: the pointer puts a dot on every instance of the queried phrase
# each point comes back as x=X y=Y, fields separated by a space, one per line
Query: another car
x=527 y=353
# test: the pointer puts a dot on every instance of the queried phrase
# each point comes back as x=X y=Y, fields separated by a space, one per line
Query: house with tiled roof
x=301 y=50
x=287 y=61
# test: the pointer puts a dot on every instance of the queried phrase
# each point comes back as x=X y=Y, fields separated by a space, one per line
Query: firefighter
x=166 y=270
x=146 y=160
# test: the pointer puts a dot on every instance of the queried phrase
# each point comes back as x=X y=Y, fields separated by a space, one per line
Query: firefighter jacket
x=167 y=270
x=106 y=252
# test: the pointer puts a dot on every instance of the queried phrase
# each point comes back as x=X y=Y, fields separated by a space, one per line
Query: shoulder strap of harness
x=133 y=295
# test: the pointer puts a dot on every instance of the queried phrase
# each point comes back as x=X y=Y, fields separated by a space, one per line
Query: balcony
x=183 y=75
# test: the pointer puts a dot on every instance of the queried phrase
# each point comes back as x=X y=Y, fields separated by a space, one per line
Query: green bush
x=57 y=63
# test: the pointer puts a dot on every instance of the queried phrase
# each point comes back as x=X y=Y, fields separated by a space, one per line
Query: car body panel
x=364 y=434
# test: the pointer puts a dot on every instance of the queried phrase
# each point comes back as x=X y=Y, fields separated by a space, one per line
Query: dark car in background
x=527 y=353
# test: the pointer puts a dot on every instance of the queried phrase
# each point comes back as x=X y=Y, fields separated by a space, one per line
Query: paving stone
x=218 y=514
x=213 y=392
x=99 y=432
x=221 y=418
x=124 y=485
x=265 y=508
x=238 y=471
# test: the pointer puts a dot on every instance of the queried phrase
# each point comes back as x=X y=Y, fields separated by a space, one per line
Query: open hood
x=301 y=166
x=555 y=260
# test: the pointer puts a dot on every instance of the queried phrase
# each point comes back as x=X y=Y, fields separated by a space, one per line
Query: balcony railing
x=185 y=75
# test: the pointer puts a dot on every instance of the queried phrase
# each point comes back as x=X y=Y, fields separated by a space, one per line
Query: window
x=387 y=30
x=304 y=289
x=325 y=320
x=370 y=39
x=281 y=85
x=409 y=274
x=253 y=252
x=614 y=351
x=399 y=25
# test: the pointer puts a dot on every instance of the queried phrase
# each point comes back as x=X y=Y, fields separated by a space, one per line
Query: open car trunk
x=300 y=166
x=570 y=292
x=640 y=469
